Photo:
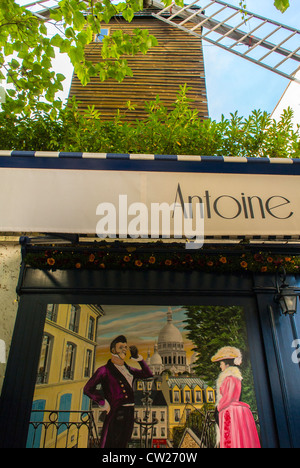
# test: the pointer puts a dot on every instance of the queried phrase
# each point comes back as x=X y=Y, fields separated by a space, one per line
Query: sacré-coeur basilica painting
x=121 y=376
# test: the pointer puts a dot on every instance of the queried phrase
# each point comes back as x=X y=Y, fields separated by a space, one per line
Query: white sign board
x=66 y=201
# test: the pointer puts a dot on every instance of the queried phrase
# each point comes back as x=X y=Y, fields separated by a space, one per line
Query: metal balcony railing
x=62 y=429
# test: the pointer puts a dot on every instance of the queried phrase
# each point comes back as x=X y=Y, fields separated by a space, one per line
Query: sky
x=141 y=326
x=232 y=83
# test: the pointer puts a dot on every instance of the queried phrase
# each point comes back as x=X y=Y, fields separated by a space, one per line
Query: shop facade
x=242 y=255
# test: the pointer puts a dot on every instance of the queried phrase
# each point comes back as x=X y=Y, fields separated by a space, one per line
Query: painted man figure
x=116 y=380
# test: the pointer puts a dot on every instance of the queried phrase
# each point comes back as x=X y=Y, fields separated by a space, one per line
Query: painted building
x=66 y=361
x=169 y=352
x=185 y=395
x=158 y=413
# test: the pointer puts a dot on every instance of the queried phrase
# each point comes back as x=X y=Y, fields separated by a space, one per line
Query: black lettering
x=249 y=206
x=245 y=206
x=260 y=204
x=207 y=197
x=225 y=217
x=179 y=193
x=191 y=201
x=271 y=208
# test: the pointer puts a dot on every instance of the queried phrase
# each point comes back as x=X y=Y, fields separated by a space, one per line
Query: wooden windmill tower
x=178 y=58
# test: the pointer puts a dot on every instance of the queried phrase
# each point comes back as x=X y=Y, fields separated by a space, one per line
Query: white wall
x=10 y=259
x=290 y=98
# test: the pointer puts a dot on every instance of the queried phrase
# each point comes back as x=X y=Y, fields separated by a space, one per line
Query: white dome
x=169 y=333
x=155 y=359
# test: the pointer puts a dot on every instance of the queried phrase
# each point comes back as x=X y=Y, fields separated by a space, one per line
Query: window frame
x=88 y=362
x=47 y=359
x=68 y=374
x=74 y=318
x=96 y=36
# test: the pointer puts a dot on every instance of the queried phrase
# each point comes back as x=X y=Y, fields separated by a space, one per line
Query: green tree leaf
x=282 y=5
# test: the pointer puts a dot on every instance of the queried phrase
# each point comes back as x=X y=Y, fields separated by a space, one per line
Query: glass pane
x=99 y=37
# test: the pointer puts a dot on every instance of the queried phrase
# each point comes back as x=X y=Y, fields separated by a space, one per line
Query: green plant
x=179 y=131
x=281 y=5
x=212 y=327
x=26 y=50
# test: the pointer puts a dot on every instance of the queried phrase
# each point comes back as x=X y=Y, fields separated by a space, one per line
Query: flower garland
x=135 y=258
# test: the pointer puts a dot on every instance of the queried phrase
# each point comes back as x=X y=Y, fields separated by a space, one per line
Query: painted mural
x=144 y=377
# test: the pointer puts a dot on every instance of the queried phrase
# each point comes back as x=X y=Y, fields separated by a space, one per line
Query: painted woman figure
x=237 y=427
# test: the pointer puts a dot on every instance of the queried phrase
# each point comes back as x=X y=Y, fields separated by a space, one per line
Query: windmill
x=267 y=43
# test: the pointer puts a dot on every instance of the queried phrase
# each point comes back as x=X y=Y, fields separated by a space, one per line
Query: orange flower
x=50 y=261
x=288 y=259
x=270 y=260
x=210 y=263
x=126 y=258
x=168 y=262
x=264 y=269
x=91 y=258
x=138 y=263
x=78 y=265
x=152 y=259
x=102 y=265
x=223 y=260
x=244 y=264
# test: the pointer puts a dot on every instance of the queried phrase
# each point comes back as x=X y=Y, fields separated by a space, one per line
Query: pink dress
x=236 y=422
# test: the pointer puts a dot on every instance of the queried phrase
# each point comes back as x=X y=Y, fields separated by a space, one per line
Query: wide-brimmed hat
x=228 y=352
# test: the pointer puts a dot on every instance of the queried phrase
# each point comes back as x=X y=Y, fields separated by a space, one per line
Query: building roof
x=156 y=396
x=183 y=380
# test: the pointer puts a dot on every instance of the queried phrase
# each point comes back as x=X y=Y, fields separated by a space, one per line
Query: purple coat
x=115 y=388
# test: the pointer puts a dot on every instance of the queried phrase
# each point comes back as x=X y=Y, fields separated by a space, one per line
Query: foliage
x=25 y=56
x=212 y=327
x=177 y=435
x=201 y=422
x=281 y=5
x=179 y=131
x=26 y=51
x=160 y=257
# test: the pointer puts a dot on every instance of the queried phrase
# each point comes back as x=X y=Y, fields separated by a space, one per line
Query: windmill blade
x=42 y=8
x=267 y=43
